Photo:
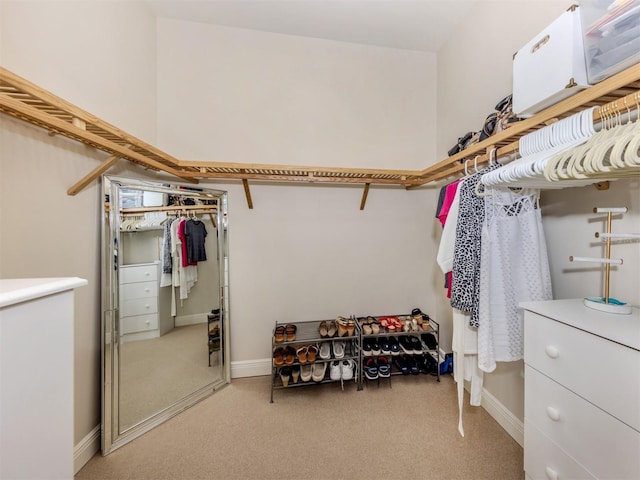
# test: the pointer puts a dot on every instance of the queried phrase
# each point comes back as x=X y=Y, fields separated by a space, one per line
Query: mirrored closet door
x=165 y=302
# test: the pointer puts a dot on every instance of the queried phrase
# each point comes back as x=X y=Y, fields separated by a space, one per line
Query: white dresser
x=139 y=318
x=36 y=377
x=582 y=392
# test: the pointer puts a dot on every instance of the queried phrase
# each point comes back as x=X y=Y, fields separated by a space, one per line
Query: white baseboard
x=251 y=368
x=194 y=319
x=503 y=416
x=85 y=449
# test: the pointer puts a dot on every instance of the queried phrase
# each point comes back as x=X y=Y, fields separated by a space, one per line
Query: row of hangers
x=570 y=152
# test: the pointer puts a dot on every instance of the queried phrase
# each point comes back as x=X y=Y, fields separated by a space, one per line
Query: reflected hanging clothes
x=514 y=268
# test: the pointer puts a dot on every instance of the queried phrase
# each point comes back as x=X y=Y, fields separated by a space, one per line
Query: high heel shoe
x=295 y=374
x=351 y=327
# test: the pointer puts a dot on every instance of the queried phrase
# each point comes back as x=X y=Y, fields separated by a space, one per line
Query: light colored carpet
x=158 y=372
x=408 y=431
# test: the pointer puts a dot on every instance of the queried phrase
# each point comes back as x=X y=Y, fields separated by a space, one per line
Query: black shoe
x=405 y=345
x=375 y=347
x=400 y=363
x=412 y=365
x=385 y=348
x=394 y=346
x=430 y=340
x=366 y=347
x=416 y=344
x=371 y=369
x=384 y=369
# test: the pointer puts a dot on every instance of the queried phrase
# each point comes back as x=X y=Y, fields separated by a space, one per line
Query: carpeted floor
x=408 y=431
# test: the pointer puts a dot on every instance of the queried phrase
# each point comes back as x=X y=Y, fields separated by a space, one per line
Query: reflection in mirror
x=165 y=302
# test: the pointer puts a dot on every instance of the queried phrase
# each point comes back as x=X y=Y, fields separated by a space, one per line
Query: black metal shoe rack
x=214 y=333
x=430 y=326
x=307 y=333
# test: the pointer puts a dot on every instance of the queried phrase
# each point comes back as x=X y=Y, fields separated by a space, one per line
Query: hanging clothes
x=450 y=193
x=195 y=234
x=514 y=268
x=465 y=337
x=465 y=291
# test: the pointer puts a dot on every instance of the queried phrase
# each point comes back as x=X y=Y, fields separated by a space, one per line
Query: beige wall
x=100 y=56
x=474 y=72
x=305 y=252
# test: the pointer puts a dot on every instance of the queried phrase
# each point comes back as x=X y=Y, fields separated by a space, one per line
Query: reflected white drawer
x=604 y=372
x=544 y=460
x=140 y=323
x=138 y=273
x=130 y=291
x=138 y=306
x=602 y=444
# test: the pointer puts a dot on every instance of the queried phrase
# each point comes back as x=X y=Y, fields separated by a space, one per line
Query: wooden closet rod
x=620 y=106
x=170 y=208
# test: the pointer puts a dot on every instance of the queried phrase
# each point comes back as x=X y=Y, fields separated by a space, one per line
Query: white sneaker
x=318 y=370
x=305 y=373
x=325 y=350
x=335 y=372
x=347 y=369
x=338 y=349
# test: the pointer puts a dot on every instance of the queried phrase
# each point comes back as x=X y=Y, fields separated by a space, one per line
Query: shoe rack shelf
x=308 y=333
x=397 y=357
x=214 y=331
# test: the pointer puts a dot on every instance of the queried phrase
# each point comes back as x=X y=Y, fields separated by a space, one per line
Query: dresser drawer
x=139 y=273
x=602 y=444
x=129 y=291
x=139 y=323
x=604 y=372
x=544 y=460
x=138 y=306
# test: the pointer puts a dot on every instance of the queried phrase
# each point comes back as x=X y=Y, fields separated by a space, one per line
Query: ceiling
x=423 y=25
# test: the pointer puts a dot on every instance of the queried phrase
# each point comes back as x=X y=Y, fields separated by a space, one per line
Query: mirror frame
x=112 y=437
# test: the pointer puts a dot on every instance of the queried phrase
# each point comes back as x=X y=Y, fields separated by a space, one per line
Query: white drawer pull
x=147 y=306
x=553 y=414
x=146 y=274
x=552 y=351
x=147 y=290
x=147 y=322
x=551 y=473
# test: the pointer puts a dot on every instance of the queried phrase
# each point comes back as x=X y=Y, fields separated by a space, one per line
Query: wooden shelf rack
x=31 y=103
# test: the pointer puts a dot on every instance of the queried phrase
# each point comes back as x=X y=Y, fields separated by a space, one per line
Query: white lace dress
x=514 y=268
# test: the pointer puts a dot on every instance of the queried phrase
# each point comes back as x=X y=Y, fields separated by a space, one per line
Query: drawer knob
x=147 y=290
x=551 y=473
x=553 y=414
x=552 y=351
x=147 y=322
x=146 y=306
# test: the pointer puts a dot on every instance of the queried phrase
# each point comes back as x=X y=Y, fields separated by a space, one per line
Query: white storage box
x=551 y=67
x=611 y=36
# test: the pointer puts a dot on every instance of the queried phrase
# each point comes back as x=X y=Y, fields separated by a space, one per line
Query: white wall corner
x=505 y=418
x=251 y=368
x=86 y=448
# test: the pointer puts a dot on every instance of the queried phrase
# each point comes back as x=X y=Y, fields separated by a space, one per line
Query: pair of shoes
x=318 y=371
x=327 y=328
x=215 y=331
x=339 y=348
x=307 y=353
x=406 y=364
x=346 y=326
x=284 y=356
x=342 y=370
x=369 y=325
x=410 y=345
x=370 y=346
x=391 y=324
x=375 y=368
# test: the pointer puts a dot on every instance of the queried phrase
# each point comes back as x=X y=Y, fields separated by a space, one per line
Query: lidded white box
x=611 y=35
x=551 y=67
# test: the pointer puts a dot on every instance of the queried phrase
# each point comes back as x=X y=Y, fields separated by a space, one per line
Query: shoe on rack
x=325 y=350
x=317 y=371
x=335 y=371
x=312 y=353
x=430 y=340
x=347 y=367
x=375 y=347
x=351 y=327
x=366 y=347
x=384 y=369
x=385 y=347
x=305 y=373
x=285 y=375
x=341 y=324
x=371 y=369
x=295 y=374
x=301 y=352
x=289 y=355
x=405 y=345
x=338 y=348
x=394 y=346
x=278 y=334
x=290 y=332
x=278 y=356
x=331 y=329
x=401 y=364
x=373 y=323
x=412 y=364
x=416 y=344
x=323 y=329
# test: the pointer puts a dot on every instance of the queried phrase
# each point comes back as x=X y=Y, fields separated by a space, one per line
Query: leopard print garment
x=465 y=291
